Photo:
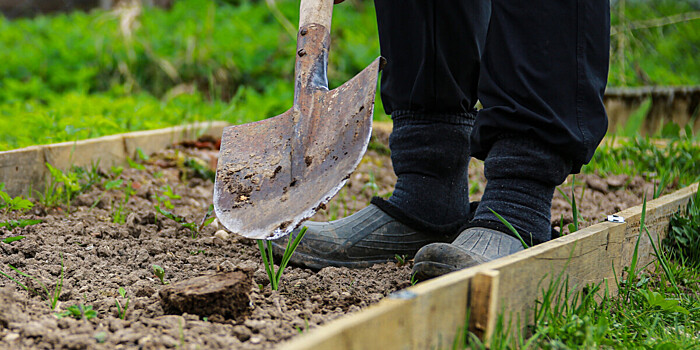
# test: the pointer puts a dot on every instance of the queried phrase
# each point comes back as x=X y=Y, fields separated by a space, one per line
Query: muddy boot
x=474 y=246
x=365 y=238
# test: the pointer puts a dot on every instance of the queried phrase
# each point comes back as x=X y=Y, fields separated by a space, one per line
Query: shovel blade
x=275 y=173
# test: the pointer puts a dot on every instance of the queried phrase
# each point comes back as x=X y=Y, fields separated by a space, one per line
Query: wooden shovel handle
x=316 y=11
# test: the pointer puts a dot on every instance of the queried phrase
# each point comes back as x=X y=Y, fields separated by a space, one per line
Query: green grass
x=651 y=311
x=673 y=165
x=79 y=75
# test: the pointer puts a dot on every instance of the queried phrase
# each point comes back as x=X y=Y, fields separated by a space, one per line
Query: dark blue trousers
x=539 y=68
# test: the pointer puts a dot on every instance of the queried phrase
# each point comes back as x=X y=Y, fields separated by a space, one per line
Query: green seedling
x=413 y=280
x=9 y=204
x=683 y=239
x=511 y=228
x=122 y=309
x=168 y=195
x=400 y=259
x=135 y=165
x=575 y=225
x=371 y=184
x=141 y=155
x=269 y=262
x=119 y=212
x=199 y=169
x=63 y=187
x=160 y=273
x=50 y=297
x=195 y=228
x=117 y=170
x=8 y=240
x=12 y=224
x=78 y=312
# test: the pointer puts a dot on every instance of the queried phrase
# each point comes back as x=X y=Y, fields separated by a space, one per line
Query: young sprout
x=51 y=298
x=121 y=310
x=269 y=263
x=78 y=312
x=160 y=273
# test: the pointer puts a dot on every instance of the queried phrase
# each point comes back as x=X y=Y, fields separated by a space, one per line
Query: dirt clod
x=224 y=294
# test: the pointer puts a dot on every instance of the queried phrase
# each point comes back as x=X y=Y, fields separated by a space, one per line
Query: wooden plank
x=21 y=169
x=151 y=141
x=483 y=304
x=430 y=314
x=24 y=169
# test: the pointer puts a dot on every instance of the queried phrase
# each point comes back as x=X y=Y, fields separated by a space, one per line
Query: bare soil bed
x=100 y=256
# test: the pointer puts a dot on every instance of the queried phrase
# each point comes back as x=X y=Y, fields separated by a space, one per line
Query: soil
x=100 y=256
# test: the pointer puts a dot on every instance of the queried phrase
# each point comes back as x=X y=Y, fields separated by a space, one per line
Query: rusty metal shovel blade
x=275 y=173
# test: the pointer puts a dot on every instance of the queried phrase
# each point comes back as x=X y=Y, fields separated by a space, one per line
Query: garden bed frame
x=429 y=315
x=24 y=170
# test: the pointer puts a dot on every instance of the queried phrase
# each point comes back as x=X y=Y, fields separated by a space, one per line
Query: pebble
x=221 y=234
x=10 y=337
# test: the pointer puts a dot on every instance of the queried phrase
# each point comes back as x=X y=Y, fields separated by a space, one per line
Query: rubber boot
x=474 y=246
x=367 y=237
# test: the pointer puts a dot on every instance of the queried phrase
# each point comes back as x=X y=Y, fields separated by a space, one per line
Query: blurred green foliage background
x=72 y=76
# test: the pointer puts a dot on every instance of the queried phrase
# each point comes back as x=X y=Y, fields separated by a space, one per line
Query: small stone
x=241 y=332
x=221 y=234
x=256 y=339
x=10 y=337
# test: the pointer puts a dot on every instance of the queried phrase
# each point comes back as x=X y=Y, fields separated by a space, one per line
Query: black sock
x=430 y=155
x=521 y=175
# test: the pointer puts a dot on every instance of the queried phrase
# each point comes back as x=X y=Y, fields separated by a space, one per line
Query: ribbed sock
x=521 y=175
x=430 y=155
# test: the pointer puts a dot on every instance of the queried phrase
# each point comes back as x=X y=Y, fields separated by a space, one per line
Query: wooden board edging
x=429 y=315
x=24 y=170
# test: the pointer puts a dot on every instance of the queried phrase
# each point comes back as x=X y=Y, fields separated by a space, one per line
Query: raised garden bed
x=100 y=256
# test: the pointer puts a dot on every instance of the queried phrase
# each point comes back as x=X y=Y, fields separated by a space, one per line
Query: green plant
x=160 y=273
x=119 y=212
x=575 y=225
x=50 y=297
x=8 y=240
x=200 y=169
x=269 y=262
x=78 y=312
x=10 y=204
x=122 y=309
x=400 y=259
x=195 y=228
x=511 y=228
x=62 y=187
x=12 y=224
x=683 y=239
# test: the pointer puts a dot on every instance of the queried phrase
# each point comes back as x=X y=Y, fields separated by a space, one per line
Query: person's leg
x=542 y=80
x=433 y=51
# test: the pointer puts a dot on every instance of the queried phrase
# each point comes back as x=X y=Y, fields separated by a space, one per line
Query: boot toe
x=438 y=259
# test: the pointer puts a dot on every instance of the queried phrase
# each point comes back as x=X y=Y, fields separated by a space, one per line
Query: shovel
x=275 y=173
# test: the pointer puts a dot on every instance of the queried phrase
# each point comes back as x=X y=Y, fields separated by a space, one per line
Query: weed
x=413 y=280
x=400 y=259
x=8 y=240
x=50 y=297
x=575 y=225
x=119 y=212
x=160 y=273
x=371 y=184
x=122 y=309
x=168 y=195
x=12 y=224
x=10 y=204
x=78 y=312
x=200 y=169
x=195 y=228
x=511 y=228
x=268 y=260
x=683 y=239
x=62 y=187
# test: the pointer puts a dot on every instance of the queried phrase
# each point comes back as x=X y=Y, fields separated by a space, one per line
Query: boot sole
x=315 y=263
